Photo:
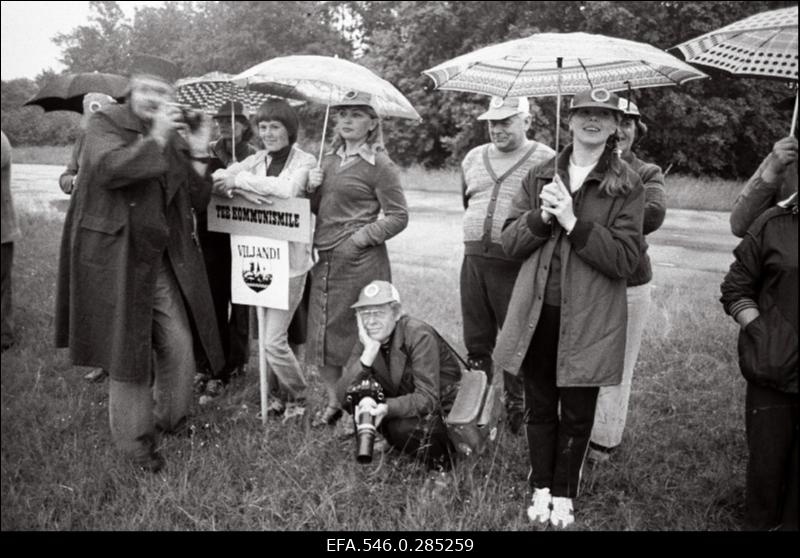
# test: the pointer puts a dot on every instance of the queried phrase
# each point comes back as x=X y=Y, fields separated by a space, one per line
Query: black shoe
x=153 y=463
x=515 y=420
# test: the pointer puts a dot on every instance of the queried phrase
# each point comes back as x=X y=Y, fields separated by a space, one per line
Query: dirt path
x=690 y=243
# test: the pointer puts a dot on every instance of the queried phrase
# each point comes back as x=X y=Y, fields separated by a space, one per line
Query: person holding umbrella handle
x=774 y=180
x=577 y=222
x=355 y=183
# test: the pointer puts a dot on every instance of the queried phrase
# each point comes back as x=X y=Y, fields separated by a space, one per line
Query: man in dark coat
x=135 y=299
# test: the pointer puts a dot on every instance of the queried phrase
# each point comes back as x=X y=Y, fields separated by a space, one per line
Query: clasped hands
x=556 y=201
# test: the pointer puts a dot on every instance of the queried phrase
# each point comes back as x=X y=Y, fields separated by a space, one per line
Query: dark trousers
x=557 y=445
x=486 y=286
x=425 y=438
x=7 y=310
x=771 y=422
x=233 y=329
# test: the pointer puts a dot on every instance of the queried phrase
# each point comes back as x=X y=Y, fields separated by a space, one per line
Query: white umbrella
x=763 y=45
x=324 y=79
x=547 y=64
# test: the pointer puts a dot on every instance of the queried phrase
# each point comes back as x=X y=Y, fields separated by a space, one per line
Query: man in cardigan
x=491 y=176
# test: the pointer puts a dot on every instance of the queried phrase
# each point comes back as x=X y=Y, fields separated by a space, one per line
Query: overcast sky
x=28 y=29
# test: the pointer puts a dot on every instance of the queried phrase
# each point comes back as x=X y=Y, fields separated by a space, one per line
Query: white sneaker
x=539 y=510
x=562 y=516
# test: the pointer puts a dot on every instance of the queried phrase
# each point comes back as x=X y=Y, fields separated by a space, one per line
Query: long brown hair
x=615 y=181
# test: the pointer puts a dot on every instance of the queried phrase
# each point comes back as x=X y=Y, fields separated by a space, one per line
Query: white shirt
x=578 y=174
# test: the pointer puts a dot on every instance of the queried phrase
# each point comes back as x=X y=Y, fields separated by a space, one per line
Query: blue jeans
x=137 y=410
x=286 y=379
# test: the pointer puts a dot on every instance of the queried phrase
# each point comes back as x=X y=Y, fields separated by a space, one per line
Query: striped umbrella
x=555 y=64
x=761 y=46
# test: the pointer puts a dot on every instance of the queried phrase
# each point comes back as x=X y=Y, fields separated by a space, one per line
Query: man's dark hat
x=224 y=110
x=146 y=64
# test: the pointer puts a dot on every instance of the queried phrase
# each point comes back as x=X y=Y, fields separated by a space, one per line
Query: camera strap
x=449 y=346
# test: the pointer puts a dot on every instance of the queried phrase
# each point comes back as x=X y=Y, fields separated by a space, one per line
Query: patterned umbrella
x=325 y=79
x=209 y=91
x=762 y=46
x=66 y=92
x=547 y=64
x=529 y=67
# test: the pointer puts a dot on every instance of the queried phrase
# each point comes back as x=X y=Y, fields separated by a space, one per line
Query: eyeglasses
x=374 y=313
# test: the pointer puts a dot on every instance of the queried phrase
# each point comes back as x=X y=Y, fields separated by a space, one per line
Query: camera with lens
x=192 y=117
x=359 y=399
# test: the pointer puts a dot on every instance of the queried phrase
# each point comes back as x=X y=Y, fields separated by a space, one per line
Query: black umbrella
x=66 y=92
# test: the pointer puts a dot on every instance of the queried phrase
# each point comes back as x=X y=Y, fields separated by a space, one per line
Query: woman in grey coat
x=580 y=233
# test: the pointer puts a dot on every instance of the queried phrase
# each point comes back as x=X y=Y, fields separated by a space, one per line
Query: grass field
x=680 y=467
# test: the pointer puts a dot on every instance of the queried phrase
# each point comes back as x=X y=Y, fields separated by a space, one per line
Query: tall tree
x=720 y=126
x=102 y=45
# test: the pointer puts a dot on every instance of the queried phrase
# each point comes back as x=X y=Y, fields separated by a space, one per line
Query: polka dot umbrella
x=763 y=45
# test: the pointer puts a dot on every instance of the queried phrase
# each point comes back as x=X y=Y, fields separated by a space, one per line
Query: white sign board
x=288 y=219
x=259 y=271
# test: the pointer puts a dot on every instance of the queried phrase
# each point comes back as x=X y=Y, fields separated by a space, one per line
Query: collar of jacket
x=629 y=157
x=397 y=358
x=220 y=149
x=365 y=151
x=547 y=170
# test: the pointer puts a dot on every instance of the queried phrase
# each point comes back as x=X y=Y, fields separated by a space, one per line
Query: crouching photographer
x=403 y=374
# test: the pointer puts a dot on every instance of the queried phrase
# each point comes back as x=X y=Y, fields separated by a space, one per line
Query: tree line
x=721 y=126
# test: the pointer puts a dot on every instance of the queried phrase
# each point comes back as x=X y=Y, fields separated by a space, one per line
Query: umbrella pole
x=324 y=130
x=794 y=116
x=559 y=62
x=233 y=133
x=262 y=361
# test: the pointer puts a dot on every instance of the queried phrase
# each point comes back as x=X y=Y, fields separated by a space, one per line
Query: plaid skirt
x=336 y=280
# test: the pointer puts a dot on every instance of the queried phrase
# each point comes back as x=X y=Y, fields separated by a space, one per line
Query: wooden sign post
x=260 y=236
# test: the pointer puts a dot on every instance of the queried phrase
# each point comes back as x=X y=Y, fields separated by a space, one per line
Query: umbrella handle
x=233 y=133
x=324 y=130
x=559 y=62
x=794 y=116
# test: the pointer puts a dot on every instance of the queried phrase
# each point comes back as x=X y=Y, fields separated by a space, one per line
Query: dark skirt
x=336 y=280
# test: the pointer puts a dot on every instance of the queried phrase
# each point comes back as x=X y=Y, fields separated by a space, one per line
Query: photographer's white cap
x=501 y=108
x=376 y=293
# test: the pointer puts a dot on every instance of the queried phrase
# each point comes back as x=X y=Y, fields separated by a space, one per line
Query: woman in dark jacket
x=580 y=233
x=612 y=401
x=760 y=292
x=233 y=326
x=356 y=182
